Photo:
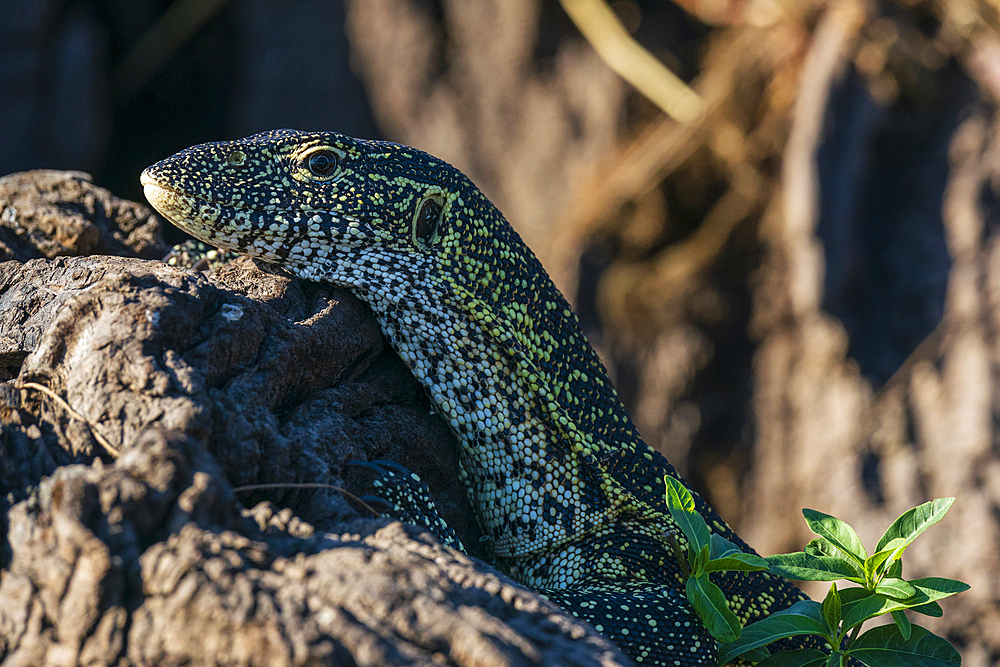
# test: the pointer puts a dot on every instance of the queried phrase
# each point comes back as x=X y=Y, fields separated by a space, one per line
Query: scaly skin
x=560 y=479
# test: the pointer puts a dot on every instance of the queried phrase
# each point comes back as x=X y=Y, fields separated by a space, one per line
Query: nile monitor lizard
x=557 y=473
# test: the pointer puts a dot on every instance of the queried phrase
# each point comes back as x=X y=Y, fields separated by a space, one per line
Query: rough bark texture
x=53 y=213
x=206 y=384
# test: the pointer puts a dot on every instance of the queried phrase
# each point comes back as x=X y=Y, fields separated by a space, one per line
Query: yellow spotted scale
x=560 y=480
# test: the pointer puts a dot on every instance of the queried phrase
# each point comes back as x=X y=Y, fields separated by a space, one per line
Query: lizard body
x=557 y=473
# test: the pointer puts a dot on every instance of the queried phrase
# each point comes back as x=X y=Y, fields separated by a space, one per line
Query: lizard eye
x=322 y=163
x=427 y=218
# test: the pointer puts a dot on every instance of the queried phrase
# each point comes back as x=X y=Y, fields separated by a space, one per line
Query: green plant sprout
x=705 y=553
x=837 y=554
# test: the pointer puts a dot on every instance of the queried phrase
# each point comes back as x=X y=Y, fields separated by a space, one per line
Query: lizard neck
x=530 y=403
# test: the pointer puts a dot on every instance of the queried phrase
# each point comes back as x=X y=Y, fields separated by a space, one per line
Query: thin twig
x=111 y=449
x=305 y=485
x=601 y=27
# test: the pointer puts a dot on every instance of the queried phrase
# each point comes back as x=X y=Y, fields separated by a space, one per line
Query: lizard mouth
x=172 y=203
x=195 y=215
x=149 y=181
x=259 y=231
x=185 y=209
x=180 y=206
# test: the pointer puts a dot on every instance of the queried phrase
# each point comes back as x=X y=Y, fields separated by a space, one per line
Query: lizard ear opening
x=427 y=219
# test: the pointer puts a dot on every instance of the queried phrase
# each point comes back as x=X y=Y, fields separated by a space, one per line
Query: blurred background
x=789 y=257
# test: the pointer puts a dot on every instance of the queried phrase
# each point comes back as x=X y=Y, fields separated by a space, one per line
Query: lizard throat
x=511 y=443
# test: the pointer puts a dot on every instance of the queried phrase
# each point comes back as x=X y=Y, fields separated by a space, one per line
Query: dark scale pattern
x=409 y=497
x=198 y=256
x=571 y=496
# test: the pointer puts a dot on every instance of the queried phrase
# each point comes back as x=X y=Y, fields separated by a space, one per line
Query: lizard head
x=327 y=206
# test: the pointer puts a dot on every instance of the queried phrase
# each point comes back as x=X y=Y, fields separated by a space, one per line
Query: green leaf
x=836 y=659
x=757 y=654
x=709 y=603
x=741 y=562
x=930 y=609
x=721 y=547
x=831 y=609
x=726 y=556
x=803 y=657
x=929 y=589
x=885 y=647
x=820 y=546
x=853 y=594
x=678 y=495
x=898 y=589
x=869 y=607
x=698 y=563
x=875 y=561
x=840 y=534
x=680 y=505
x=802 y=618
x=806 y=567
x=938 y=587
x=903 y=623
x=911 y=523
